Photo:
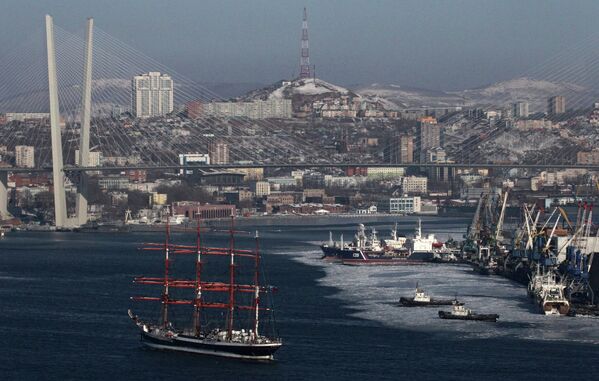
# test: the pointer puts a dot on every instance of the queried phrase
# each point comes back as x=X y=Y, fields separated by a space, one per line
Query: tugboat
x=422 y=299
x=223 y=336
x=459 y=312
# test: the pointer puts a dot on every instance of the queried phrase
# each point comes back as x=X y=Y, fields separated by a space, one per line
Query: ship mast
x=257 y=287
x=231 y=279
x=166 y=265
x=198 y=296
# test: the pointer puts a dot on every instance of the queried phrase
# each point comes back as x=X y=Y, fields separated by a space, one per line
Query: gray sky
x=442 y=44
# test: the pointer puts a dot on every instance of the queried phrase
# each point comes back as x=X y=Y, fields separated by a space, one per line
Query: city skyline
x=417 y=44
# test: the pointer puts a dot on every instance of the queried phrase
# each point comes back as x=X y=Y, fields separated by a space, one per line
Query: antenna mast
x=304 y=52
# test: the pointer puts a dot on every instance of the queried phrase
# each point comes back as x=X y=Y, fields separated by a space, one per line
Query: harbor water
x=64 y=300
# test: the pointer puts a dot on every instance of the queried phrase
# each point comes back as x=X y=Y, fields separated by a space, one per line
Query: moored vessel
x=550 y=297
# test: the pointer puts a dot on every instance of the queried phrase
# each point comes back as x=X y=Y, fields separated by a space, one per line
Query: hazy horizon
x=438 y=45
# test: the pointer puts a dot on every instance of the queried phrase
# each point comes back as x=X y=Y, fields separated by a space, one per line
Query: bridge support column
x=60 y=202
x=4 y=195
x=82 y=191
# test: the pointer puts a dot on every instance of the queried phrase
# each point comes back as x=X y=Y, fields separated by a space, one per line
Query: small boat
x=422 y=299
x=459 y=312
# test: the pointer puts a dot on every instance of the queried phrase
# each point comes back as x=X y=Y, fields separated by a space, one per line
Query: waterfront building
x=403 y=205
x=191 y=209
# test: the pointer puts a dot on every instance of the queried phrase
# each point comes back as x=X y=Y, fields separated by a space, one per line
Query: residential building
x=414 y=184
x=400 y=150
x=219 y=153
x=194 y=109
x=114 y=182
x=556 y=105
x=520 y=110
x=26 y=116
x=158 y=198
x=382 y=173
x=94 y=159
x=430 y=137
x=151 y=95
x=258 y=109
x=440 y=173
x=25 y=156
x=260 y=188
x=590 y=157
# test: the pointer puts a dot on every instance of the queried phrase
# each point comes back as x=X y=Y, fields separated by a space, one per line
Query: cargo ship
x=226 y=333
x=368 y=250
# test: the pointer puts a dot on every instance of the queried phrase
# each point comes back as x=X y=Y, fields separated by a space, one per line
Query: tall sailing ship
x=223 y=333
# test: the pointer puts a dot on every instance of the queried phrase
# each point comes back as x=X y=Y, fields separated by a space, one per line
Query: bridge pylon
x=82 y=191
x=4 y=195
x=58 y=177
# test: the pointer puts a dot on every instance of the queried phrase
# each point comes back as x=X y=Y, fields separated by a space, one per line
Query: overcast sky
x=442 y=44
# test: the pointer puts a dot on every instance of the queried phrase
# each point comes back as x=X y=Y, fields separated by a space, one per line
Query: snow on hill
x=533 y=91
x=405 y=97
x=498 y=94
x=299 y=89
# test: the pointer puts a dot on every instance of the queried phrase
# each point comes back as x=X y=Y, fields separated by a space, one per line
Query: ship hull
x=558 y=308
x=476 y=317
x=192 y=344
x=381 y=262
x=410 y=302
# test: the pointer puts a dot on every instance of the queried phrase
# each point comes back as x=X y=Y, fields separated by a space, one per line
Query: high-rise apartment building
x=94 y=159
x=556 y=105
x=24 y=156
x=430 y=137
x=219 y=153
x=520 y=110
x=151 y=95
x=400 y=150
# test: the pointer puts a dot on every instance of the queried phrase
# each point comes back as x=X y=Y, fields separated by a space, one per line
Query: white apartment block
x=260 y=188
x=405 y=205
x=272 y=108
x=151 y=95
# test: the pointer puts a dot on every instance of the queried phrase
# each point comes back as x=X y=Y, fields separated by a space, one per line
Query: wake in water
x=375 y=291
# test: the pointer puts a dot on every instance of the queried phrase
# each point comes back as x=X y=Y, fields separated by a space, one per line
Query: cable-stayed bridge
x=80 y=79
